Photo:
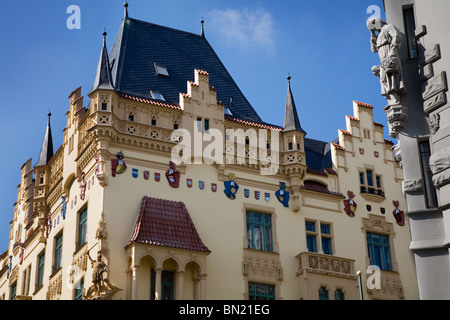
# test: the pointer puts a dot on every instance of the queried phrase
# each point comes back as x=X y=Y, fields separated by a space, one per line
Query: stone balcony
x=325 y=264
x=331 y=273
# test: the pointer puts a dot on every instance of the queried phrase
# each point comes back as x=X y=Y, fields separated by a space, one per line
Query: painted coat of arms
x=350 y=205
x=231 y=187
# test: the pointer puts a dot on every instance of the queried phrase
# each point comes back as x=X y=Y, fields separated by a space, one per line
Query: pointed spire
x=125 y=5
x=203 y=29
x=291 y=120
x=47 y=145
x=103 y=78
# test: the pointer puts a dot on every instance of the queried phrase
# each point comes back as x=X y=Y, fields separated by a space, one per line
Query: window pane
x=378 y=178
x=369 y=177
x=325 y=228
x=410 y=32
x=323 y=293
x=378 y=248
x=257 y=291
x=361 y=178
x=339 y=295
x=257 y=237
x=310 y=226
x=326 y=246
x=311 y=243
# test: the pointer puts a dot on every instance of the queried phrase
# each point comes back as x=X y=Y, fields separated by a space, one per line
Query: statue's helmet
x=375 y=23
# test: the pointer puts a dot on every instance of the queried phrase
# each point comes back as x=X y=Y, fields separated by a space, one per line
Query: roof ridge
x=165 y=27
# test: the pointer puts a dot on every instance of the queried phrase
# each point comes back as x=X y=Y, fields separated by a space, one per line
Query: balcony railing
x=325 y=264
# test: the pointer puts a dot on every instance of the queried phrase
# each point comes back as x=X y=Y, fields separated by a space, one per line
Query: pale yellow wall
x=219 y=221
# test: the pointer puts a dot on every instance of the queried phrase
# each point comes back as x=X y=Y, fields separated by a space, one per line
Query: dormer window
x=157 y=96
x=161 y=70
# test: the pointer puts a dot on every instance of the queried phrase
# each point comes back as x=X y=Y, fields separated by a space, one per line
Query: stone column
x=134 y=290
x=158 y=273
x=180 y=285
x=203 y=287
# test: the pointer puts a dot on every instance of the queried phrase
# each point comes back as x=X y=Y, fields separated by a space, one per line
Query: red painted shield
x=157 y=177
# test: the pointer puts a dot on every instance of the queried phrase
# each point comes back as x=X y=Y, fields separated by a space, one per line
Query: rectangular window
x=259 y=231
x=325 y=230
x=206 y=125
x=104 y=106
x=310 y=226
x=40 y=270
x=258 y=291
x=157 y=95
x=325 y=237
x=378 y=180
x=323 y=294
x=79 y=290
x=361 y=178
x=369 y=177
x=311 y=243
x=82 y=224
x=161 y=70
x=430 y=191
x=410 y=27
x=339 y=295
x=14 y=290
x=199 y=124
x=26 y=281
x=379 y=250
x=58 y=252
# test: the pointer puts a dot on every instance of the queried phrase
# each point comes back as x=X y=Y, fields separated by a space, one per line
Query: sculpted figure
x=385 y=39
x=101 y=286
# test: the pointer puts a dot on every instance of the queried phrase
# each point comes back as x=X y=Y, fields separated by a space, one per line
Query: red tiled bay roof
x=168 y=224
x=317 y=187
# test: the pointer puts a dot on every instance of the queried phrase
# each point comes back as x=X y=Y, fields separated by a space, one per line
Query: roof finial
x=203 y=30
x=49 y=114
x=289 y=77
x=125 y=5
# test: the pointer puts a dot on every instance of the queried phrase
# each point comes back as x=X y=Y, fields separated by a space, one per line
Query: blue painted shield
x=282 y=195
x=257 y=195
x=246 y=193
x=267 y=196
x=135 y=173
x=201 y=185
x=231 y=187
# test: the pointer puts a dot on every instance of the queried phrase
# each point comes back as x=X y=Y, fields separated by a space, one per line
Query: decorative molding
x=433 y=121
x=434 y=85
x=410 y=186
x=261 y=264
x=435 y=102
x=433 y=55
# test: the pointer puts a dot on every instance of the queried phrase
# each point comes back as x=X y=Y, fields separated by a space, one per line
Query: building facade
x=162 y=191
x=420 y=122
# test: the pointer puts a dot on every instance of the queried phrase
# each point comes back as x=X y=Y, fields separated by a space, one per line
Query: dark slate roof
x=291 y=120
x=318 y=154
x=103 y=78
x=168 y=224
x=47 y=146
x=138 y=45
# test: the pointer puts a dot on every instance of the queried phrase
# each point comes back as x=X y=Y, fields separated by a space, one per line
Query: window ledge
x=373 y=197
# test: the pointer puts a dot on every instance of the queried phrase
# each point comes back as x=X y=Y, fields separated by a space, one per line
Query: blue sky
x=323 y=44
